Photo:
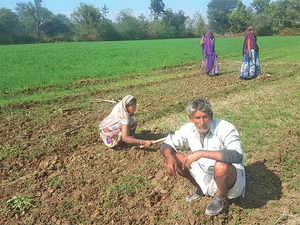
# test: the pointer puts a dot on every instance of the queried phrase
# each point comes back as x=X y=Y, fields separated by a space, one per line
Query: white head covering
x=118 y=113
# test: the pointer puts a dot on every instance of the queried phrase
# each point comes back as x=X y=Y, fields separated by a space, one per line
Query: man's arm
x=170 y=158
x=167 y=150
x=231 y=153
x=174 y=141
x=228 y=156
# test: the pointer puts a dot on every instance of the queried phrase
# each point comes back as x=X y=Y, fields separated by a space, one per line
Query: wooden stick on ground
x=159 y=140
x=154 y=142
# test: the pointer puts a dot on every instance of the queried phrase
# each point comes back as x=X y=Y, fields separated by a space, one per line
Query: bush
x=290 y=32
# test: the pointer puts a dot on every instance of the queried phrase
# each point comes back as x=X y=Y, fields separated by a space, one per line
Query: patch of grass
x=63 y=213
x=294 y=186
x=68 y=204
x=21 y=204
x=176 y=197
x=147 y=165
x=175 y=215
x=14 y=174
x=3 y=155
x=8 y=150
x=129 y=185
x=295 y=209
x=55 y=182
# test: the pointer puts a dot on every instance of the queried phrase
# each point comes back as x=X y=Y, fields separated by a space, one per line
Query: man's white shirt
x=222 y=135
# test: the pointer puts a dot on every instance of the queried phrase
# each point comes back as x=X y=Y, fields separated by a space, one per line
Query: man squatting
x=214 y=164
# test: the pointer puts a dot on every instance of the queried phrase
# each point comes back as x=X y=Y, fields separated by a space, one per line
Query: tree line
x=31 y=22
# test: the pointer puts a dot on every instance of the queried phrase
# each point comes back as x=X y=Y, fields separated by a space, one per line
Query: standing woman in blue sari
x=251 y=65
x=210 y=65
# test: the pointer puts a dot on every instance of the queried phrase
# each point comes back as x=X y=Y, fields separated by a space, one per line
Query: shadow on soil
x=149 y=135
x=262 y=185
x=144 y=135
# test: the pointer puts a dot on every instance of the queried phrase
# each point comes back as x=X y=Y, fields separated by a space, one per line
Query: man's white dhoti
x=207 y=183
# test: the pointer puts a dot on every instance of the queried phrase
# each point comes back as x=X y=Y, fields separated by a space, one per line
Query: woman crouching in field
x=120 y=125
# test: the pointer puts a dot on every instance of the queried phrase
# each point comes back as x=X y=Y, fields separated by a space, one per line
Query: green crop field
x=40 y=65
x=38 y=72
x=26 y=67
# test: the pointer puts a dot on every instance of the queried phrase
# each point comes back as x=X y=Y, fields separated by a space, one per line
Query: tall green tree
x=239 y=18
x=158 y=30
x=130 y=27
x=200 y=26
x=10 y=27
x=144 y=25
x=174 y=23
x=86 y=18
x=157 y=8
x=260 y=5
x=272 y=17
x=91 y=23
x=263 y=23
x=37 y=15
x=104 y=10
x=58 y=27
x=277 y=11
x=218 y=12
x=33 y=15
x=293 y=13
x=107 y=30
x=196 y=25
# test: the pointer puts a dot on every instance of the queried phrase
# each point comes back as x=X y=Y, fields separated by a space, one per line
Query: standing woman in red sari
x=251 y=63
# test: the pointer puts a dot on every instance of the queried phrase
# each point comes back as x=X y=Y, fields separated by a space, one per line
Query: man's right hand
x=171 y=165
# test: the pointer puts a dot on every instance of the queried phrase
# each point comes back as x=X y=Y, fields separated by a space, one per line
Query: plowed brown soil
x=51 y=152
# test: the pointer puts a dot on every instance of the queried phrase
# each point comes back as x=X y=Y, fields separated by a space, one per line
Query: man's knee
x=222 y=168
x=225 y=171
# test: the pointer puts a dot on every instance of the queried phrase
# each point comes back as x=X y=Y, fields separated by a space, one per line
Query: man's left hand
x=188 y=160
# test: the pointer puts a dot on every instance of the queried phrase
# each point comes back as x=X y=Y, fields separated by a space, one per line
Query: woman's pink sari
x=119 y=113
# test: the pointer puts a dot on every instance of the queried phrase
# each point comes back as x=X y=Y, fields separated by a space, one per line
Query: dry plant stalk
x=104 y=100
x=72 y=130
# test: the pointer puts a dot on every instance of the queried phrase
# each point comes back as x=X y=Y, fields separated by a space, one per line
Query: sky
x=190 y=7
